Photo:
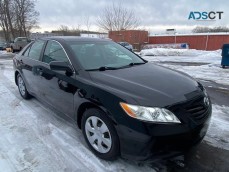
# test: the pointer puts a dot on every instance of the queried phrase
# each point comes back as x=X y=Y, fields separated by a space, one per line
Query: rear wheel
x=22 y=88
x=223 y=66
x=100 y=134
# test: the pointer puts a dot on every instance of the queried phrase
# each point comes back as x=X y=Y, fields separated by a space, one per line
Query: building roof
x=192 y=34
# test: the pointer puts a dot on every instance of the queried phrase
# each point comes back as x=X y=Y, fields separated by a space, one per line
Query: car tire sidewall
x=26 y=95
x=114 y=152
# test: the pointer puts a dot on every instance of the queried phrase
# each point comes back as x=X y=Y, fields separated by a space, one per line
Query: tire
x=223 y=66
x=105 y=136
x=22 y=87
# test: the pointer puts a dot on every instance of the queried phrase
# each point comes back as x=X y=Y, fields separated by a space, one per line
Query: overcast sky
x=155 y=15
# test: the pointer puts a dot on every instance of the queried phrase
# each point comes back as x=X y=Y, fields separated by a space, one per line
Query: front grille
x=198 y=109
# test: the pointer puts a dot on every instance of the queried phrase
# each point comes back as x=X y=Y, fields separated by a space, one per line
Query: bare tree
x=6 y=18
x=63 y=28
x=200 y=29
x=78 y=27
x=87 y=23
x=26 y=17
x=66 y=31
x=17 y=17
x=117 y=17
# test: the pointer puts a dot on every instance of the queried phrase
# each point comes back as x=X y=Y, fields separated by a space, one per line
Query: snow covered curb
x=178 y=52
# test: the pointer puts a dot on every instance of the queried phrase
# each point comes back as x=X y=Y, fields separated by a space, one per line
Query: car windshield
x=103 y=54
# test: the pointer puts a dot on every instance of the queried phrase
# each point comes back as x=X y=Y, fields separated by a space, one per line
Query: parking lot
x=36 y=138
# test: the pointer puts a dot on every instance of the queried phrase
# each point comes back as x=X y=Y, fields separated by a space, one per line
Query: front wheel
x=22 y=88
x=100 y=134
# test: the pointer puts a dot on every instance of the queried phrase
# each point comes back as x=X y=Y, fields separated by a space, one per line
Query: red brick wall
x=198 y=42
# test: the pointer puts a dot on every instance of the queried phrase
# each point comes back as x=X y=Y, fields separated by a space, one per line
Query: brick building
x=135 y=37
x=199 y=41
x=203 y=41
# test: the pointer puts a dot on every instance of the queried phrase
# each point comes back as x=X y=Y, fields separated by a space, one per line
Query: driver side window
x=54 y=52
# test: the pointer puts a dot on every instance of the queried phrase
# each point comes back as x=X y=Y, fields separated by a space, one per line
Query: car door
x=30 y=58
x=55 y=88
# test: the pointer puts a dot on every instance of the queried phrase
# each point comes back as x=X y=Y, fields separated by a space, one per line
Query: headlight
x=152 y=114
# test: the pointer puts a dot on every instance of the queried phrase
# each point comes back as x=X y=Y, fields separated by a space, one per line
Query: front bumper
x=147 y=141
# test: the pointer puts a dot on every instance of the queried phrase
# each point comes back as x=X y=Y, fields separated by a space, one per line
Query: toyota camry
x=124 y=105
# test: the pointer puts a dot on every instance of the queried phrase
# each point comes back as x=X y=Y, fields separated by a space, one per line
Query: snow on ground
x=204 y=72
x=182 y=55
x=179 y=52
x=3 y=52
x=199 y=64
x=34 y=138
x=218 y=133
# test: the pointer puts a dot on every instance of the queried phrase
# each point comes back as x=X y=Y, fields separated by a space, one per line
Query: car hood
x=147 y=84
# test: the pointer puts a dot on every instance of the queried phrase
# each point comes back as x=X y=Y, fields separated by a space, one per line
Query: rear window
x=22 y=39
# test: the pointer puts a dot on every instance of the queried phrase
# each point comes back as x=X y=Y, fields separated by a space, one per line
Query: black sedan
x=123 y=104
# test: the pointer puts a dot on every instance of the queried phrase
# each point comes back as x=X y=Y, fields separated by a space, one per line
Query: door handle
x=82 y=93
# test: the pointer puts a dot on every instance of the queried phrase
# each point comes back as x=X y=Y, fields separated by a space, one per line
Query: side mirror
x=60 y=66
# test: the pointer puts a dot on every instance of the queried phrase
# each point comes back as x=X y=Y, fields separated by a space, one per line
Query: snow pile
x=3 y=52
x=211 y=58
x=218 y=133
x=205 y=65
x=208 y=72
x=178 y=52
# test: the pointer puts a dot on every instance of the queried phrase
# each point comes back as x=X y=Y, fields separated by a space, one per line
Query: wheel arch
x=88 y=105
x=15 y=76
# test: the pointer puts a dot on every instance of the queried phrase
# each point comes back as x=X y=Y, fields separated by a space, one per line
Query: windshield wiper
x=103 y=68
x=133 y=64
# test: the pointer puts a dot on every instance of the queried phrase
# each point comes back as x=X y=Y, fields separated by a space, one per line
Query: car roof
x=74 y=38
